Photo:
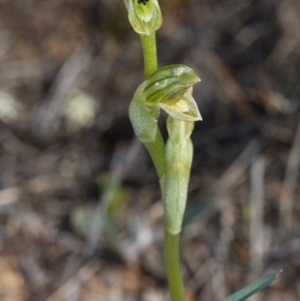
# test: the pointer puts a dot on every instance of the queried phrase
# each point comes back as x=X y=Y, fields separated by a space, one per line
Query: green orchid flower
x=168 y=88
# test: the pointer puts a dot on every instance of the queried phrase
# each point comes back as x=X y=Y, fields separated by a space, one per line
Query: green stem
x=150 y=53
x=172 y=263
x=157 y=153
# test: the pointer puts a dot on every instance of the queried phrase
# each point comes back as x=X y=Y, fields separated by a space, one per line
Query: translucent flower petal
x=185 y=110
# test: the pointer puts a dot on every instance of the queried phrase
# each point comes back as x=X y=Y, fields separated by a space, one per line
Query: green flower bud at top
x=144 y=15
x=179 y=155
x=169 y=84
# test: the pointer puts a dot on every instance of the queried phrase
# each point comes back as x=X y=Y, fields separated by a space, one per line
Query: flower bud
x=179 y=155
x=144 y=15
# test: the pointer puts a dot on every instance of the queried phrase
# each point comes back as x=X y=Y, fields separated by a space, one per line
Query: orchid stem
x=157 y=153
x=150 y=53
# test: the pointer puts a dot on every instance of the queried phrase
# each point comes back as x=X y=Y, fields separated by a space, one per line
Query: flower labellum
x=185 y=109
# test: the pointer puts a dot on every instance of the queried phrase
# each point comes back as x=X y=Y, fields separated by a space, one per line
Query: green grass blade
x=252 y=288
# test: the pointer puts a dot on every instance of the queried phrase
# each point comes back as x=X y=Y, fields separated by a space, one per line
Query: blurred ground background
x=68 y=70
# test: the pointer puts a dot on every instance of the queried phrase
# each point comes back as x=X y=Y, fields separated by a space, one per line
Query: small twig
x=226 y=237
x=289 y=184
x=257 y=175
x=256 y=214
